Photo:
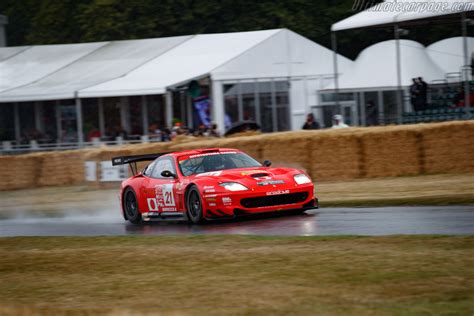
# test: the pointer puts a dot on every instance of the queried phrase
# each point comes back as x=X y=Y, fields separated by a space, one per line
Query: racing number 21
x=168 y=195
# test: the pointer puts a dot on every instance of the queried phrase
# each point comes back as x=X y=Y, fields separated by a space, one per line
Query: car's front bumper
x=227 y=205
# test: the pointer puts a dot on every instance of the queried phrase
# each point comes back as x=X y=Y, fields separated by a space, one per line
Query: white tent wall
x=303 y=98
x=40 y=61
x=448 y=54
x=288 y=56
x=285 y=54
x=110 y=61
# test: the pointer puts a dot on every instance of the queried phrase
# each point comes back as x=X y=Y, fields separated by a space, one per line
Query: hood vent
x=259 y=175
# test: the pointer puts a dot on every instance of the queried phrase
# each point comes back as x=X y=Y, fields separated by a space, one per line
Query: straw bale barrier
x=59 y=168
x=325 y=154
x=287 y=149
x=394 y=151
x=448 y=147
x=18 y=172
x=335 y=156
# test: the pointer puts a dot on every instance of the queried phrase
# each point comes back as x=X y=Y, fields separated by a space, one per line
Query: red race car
x=217 y=183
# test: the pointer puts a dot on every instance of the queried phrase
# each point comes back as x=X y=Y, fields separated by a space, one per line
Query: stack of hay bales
x=60 y=168
x=288 y=149
x=18 y=172
x=335 y=155
x=325 y=154
x=449 y=147
x=391 y=151
x=251 y=145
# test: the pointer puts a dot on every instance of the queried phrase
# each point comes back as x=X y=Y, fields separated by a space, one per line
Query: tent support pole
x=218 y=110
x=145 y=115
x=39 y=116
x=100 y=102
x=256 y=97
x=336 y=72
x=16 y=113
x=274 y=106
x=189 y=110
x=59 y=127
x=80 y=134
x=169 y=109
x=399 y=74
x=467 y=92
x=240 y=104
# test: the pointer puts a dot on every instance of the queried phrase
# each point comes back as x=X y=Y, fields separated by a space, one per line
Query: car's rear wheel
x=130 y=206
x=194 y=206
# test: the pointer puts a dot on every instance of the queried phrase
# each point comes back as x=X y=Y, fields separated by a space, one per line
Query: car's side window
x=149 y=169
x=162 y=164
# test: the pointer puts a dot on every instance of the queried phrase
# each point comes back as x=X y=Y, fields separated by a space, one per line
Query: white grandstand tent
x=36 y=62
x=401 y=13
x=292 y=67
x=375 y=69
x=101 y=63
x=448 y=53
x=373 y=77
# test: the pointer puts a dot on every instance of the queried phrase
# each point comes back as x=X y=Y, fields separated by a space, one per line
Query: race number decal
x=168 y=197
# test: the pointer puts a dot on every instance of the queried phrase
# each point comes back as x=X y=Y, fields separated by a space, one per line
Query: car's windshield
x=208 y=162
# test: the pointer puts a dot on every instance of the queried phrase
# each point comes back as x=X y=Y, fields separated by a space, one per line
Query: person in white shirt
x=338 y=121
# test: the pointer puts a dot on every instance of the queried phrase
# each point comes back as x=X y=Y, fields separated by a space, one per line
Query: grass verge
x=214 y=275
x=441 y=189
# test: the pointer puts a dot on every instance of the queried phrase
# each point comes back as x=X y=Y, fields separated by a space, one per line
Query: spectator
x=120 y=132
x=338 y=121
x=371 y=114
x=423 y=92
x=93 y=133
x=310 y=122
x=414 y=93
x=214 y=132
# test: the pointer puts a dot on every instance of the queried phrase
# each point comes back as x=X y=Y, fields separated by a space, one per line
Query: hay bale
x=61 y=168
x=391 y=152
x=335 y=156
x=449 y=147
x=18 y=172
x=288 y=149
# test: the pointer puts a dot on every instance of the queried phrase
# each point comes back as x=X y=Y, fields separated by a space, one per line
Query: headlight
x=301 y=179
x=233 y=186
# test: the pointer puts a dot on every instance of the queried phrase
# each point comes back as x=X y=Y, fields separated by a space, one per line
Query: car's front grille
x=272 y=200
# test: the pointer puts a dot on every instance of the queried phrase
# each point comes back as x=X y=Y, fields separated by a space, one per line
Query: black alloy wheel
x=194 y=206
x=130 y=206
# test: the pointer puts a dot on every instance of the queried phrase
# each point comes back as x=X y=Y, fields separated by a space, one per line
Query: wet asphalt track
x=453 y=220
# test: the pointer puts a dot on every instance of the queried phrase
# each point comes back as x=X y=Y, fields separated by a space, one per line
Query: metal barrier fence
x=10 y=148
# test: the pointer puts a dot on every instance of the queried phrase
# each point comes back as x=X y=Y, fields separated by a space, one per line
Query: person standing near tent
x=423 y=92
x=414 y=93
x=338 y=121
x=371 y=113
x=310 y=122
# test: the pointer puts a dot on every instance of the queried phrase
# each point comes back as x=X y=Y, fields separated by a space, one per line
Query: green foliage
x=67 y=21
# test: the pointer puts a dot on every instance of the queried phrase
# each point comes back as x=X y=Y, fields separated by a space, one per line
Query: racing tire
x=130 y=207
x=194 y=206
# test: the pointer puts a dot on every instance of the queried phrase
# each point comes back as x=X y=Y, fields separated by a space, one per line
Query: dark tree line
x=73 y=21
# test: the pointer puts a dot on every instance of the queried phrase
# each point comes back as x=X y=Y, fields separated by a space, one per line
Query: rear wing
x=132 y=160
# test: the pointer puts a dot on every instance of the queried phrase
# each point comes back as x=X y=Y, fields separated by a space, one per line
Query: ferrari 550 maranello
x=209 y=184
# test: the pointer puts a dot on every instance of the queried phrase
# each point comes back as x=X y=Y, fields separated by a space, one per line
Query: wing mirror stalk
x=168 y=174
x=267 y=163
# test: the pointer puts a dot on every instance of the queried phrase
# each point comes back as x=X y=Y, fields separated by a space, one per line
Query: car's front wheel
x=130 y=206
x=194 y=206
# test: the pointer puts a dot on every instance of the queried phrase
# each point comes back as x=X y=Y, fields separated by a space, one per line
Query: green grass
x=216 y=275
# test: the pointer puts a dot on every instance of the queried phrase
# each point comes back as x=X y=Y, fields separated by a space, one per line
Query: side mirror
x=168 y=174
x=267 y=163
